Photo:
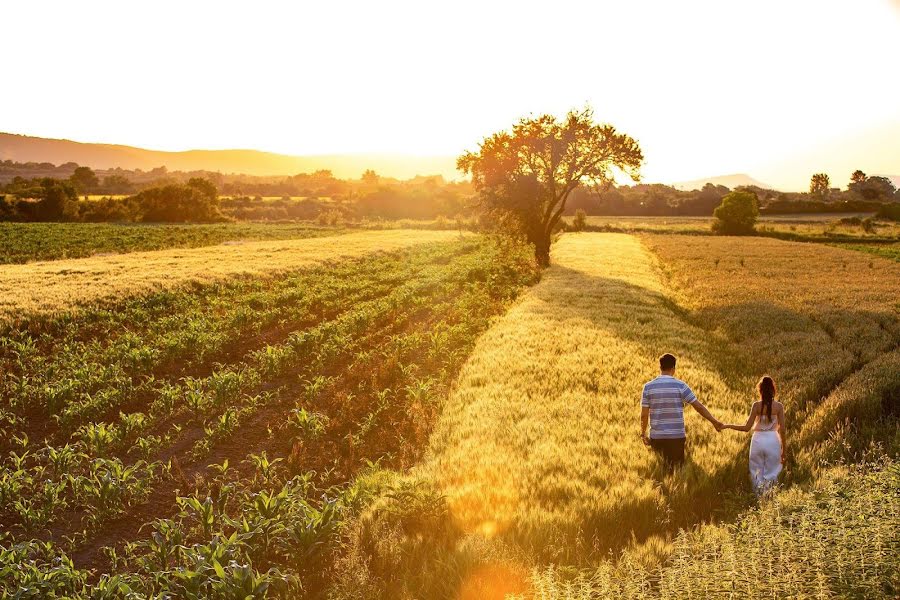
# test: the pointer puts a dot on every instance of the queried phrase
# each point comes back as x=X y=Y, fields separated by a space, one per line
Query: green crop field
x=26 y=242
x=424 y=414
x=289 y=386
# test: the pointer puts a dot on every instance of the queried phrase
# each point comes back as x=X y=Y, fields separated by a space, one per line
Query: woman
x=766 y=420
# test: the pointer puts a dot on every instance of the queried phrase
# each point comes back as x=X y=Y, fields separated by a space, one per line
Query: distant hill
x=729 y=181
x=23 y=148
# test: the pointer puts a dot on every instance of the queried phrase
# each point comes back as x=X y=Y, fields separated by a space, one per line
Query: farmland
x=27 y=242
x=52 y=286
x=800 y=227
x=419 y=414
x=535 y=462
x=287 y=385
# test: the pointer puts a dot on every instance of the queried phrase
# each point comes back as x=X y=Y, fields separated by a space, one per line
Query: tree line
x=163 y=196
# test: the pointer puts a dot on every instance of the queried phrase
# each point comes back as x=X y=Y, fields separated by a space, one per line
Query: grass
x=28 y=242
x=61 y=285
x=535 y=463
x=891 y=251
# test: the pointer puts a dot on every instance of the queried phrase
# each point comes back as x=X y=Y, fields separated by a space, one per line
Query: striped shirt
x=666 y=396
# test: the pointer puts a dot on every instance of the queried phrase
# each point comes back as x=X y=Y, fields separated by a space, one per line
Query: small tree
x=205 y=187
x=525 y=176
x=819 y=185
x=857 y=177
x=737 y=214
x=580 y=220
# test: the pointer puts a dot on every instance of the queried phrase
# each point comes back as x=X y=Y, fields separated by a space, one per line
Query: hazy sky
x=774 y=88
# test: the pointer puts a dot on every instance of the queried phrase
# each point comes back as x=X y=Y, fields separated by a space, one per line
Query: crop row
x=322 y=400
x=107 y=375
x=25 y=242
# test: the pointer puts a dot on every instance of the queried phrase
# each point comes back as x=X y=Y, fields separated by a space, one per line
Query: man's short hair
x=667 y=362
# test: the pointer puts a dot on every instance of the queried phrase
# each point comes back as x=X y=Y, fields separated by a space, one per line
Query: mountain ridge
x=25 y=148
x=730 y=181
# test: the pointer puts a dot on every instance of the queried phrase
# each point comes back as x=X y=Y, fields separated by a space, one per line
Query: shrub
x=179 y=203
x=331 y=217
x=580 y=220
x=737 y=214
x=890 y=211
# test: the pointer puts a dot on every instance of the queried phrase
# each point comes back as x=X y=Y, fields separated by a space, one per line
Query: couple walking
x=662 y=406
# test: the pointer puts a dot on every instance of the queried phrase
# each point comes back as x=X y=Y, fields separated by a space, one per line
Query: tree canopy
x=524 y=176
x=737 y=214
x=819 y=184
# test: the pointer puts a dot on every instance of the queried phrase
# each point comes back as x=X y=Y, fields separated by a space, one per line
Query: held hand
x=719 y=425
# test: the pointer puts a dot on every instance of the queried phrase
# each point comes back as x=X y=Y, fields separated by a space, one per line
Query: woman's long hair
x=766 y=387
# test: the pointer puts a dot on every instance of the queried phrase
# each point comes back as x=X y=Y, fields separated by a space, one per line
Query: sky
x=777 y=89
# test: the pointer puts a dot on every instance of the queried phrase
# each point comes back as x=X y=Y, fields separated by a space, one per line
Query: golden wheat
x=808 y=314
x=48 y=287
x=539 y=442
x=537 y=451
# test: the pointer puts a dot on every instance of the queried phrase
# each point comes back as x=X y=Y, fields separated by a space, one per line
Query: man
x=662 y=405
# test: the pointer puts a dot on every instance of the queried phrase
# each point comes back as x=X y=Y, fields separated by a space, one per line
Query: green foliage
x=891 y=251
x=84 y=179
x=737 y=214
x=195 y=201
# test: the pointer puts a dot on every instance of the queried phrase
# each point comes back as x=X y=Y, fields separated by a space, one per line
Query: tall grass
x=535 y=470
x=839 y=539
x=537 y=457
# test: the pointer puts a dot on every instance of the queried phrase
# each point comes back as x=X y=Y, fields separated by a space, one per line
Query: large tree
x=84 y=179
x=874 y=188
x=525 y=176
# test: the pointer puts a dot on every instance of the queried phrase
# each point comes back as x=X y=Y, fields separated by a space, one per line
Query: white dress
x=765 y=454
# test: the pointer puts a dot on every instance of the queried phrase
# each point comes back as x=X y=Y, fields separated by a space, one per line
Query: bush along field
x=212 y=441
x=536 y=484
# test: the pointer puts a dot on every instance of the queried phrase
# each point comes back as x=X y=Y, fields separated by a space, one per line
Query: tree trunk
x=542 y=251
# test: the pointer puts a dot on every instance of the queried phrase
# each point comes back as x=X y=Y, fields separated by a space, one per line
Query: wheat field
x=536 y=460
x=59 y=285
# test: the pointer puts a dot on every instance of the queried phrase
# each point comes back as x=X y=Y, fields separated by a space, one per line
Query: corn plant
x=308 y=425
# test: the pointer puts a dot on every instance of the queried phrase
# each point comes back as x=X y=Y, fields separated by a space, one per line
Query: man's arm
x=645 y=418
x=698 y=406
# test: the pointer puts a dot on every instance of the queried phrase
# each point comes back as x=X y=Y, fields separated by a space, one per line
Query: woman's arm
x=781 y=431
x=750 y=419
